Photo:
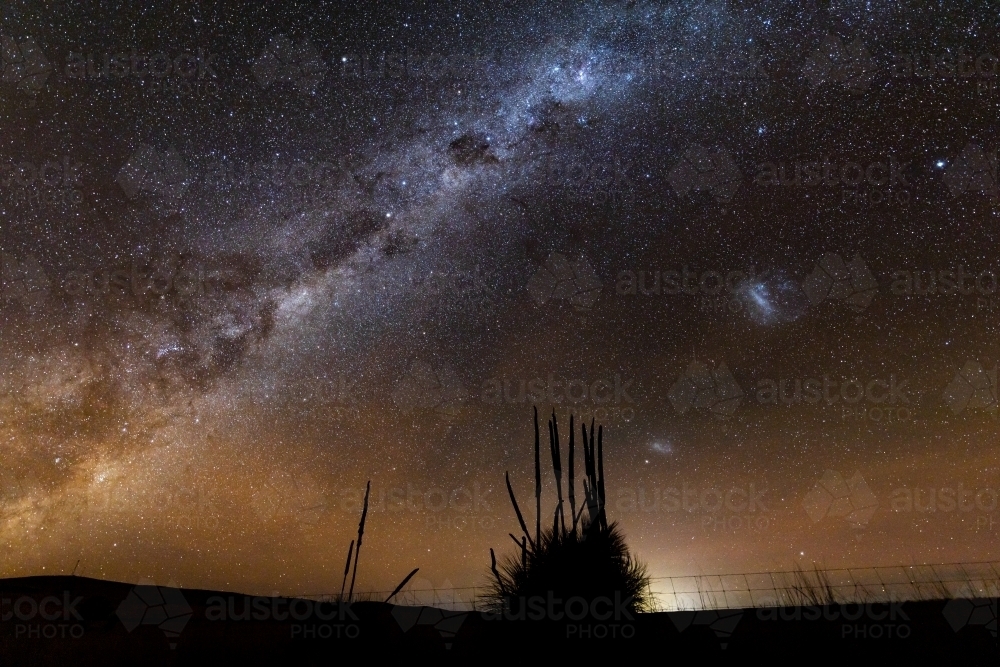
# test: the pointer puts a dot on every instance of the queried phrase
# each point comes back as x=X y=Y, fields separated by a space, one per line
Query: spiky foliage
x=585 y=556
x=588 y=565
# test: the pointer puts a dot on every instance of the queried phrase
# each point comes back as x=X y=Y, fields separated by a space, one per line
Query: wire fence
x=765 y=589
x=832 y=586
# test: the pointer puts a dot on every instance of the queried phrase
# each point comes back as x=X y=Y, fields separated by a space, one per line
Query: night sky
x=253 y=257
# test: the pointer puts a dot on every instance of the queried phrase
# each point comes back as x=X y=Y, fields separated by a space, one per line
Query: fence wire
x=765 y=589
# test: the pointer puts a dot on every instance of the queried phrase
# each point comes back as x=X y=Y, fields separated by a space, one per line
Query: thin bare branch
x=517 y=510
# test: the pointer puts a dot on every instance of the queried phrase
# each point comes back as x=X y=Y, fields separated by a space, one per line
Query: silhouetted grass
x=588 y=558
x=812 y=589
x=599 y=565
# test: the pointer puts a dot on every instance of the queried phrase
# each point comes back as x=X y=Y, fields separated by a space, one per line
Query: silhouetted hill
x=69 y=620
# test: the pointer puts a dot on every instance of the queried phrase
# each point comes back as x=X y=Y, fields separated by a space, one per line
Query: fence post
x=878 y=578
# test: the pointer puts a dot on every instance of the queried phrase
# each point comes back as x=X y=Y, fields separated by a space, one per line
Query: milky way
x=253 y=258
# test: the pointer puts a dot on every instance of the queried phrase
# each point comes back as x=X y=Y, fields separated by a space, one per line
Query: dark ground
x=79 y=621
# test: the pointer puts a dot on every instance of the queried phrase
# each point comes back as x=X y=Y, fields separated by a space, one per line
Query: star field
x=253 y=257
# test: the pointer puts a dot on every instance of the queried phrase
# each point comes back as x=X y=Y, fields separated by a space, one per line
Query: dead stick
x=361 y=531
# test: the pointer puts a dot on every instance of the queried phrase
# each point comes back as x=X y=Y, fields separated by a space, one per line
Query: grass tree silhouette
x=356 y=553
x=581 y=554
